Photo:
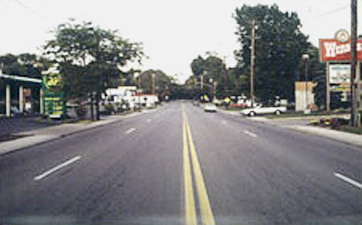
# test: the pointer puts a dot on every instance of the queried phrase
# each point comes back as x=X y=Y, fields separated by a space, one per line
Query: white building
x=148 y=100
x=130 y=96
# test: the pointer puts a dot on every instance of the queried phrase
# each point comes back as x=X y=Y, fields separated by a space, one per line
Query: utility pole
x=202 y=82
x=252 y=58
x=328 y=91
x=354 y=98
x=153 y=84
x=306 y=59
x=225 y=75
x=139 y=81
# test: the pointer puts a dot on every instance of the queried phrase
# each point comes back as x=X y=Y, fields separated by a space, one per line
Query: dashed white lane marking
x=130 y=130
x=250 y=133
x=348 y=180
x=60 y=166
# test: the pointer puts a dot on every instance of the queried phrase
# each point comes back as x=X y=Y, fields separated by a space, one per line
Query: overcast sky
x=173 y=32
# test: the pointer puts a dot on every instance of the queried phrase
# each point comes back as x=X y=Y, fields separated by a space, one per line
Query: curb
x=330 y=134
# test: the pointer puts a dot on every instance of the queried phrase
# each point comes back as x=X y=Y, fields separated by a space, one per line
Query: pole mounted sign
x=333 y=50
x=337 y=53
x=339 y=73
x=342 y=35
x=339 y=48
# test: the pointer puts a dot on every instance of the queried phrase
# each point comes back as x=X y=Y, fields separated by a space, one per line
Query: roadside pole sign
x=54 y=104
x=53 y=100
x=339 y=73
x=333 y=50
x=336 y=53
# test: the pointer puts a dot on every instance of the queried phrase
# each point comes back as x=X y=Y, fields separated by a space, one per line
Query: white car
x=264 y=110
x=209 y=107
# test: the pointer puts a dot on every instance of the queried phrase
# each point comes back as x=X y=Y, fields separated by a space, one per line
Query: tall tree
x=197 y=66
x=157 y=78
x=278 y=49
x=26 y=64
x=213 y=69
x=90 y=59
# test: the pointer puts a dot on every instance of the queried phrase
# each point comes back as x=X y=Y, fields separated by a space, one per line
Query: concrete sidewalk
x=349 y=138
x=345 y=137
x=34 y=137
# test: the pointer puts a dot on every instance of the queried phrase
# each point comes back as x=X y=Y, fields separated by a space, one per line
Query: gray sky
x=173 y=32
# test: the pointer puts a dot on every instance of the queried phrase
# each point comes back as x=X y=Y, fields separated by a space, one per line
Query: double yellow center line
x=189 y=151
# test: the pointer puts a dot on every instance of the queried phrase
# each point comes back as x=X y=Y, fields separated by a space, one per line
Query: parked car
x=210 y=107
x=260 y=109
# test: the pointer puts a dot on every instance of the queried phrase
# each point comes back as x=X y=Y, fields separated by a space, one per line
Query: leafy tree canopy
x=278 y=49
x=89 y=58
x=28 y=65
x=161 y=81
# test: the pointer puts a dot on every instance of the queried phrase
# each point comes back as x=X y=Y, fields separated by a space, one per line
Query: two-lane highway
x=180 y=165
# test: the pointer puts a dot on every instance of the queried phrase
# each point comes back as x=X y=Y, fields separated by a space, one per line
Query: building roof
x=19 y=78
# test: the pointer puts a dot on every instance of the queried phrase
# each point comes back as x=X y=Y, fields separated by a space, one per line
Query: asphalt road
x=180 y=165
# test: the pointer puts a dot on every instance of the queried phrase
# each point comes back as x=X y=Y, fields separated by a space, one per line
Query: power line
x=333 y=11
x=327 y=13
x=32 y=11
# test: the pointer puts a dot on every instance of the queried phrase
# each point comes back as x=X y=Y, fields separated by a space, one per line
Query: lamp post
x=306 y=60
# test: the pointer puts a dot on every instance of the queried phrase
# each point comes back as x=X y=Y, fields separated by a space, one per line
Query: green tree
x=160 y=80
x=90 y=59
x=27 y=65
x=213 y=69
x=278 y=49
x=197 y=66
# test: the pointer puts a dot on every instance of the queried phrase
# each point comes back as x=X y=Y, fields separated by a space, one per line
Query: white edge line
x=130 y=130
x=348 y=180
x=250 y=133
x=64 y=164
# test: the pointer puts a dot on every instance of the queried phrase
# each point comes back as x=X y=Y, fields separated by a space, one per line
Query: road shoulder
x=345 y=137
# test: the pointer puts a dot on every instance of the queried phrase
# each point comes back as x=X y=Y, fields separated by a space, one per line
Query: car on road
x=260 y=109
x=195 y=103
x=210 y=107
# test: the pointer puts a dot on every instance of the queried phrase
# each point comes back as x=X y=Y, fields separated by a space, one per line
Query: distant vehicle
x=264 y=110
x=195 y=103
x=210 y=107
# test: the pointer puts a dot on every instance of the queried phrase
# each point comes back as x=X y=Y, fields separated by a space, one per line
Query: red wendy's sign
x=332 y=50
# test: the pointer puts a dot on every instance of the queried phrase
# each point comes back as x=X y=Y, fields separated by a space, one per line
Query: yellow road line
x=204 y=203
x=190 y=211
x=205 y=208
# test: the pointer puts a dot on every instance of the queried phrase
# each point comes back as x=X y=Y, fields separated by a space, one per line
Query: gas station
x=19 y=95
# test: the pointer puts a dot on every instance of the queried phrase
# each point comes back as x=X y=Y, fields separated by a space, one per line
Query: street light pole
x=306 y=59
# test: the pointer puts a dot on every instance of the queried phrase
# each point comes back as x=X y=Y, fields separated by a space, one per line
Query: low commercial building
x=131 y=96
x=19 y=95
